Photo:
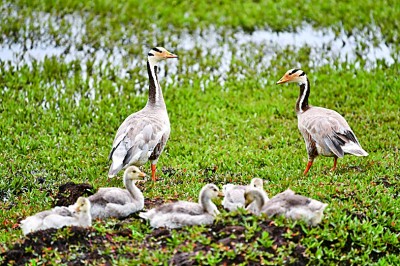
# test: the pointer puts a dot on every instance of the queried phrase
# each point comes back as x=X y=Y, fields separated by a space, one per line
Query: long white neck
x=133 y=189
x=156 y=98
x=207 y=204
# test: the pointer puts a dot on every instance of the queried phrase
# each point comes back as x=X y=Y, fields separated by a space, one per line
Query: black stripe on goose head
x=294 y=71
x=156 y=49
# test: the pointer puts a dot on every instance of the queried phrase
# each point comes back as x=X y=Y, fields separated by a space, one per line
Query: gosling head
x=82 y=205
x=254 y=195
x=257 y=183
x=133 y=173
x=293 y=75
x=157 y=54
x=211 y=191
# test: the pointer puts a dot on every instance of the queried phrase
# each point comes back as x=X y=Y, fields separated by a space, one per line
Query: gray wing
x=138 y=138
x=328 y=129
x=186 y=207
x=111 y=195
x=63 y=211
x=234 y=197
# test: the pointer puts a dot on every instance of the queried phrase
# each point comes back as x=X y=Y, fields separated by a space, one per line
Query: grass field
x=229 y=123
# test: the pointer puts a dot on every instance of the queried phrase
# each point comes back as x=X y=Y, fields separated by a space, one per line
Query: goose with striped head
x=143 y=135
x=325 y=131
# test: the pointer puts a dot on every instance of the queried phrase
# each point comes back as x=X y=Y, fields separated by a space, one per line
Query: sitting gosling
x=77 y=215
x=289 y=204
x=118 y=202
x=181 y=213
x=234 y=194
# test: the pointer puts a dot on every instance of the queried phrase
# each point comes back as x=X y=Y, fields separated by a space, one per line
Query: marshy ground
x=71 y=73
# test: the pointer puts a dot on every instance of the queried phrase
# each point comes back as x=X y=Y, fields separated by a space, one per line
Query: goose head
x=82 y=205
x=207 y=193
x=210 y=191
x=254 y=195
x=293 y=75
x=133 y=173
x=257 y=183
x=157 y=54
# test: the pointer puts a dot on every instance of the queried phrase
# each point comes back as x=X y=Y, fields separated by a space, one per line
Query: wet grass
x=58 y=120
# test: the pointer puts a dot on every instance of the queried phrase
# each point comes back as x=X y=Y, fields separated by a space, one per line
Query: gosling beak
x=284 y=79
x=141 y=174
x=220 y=194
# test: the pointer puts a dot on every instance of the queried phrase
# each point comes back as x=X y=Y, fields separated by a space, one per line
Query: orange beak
x=171 y=55
x=283 y=79
x=141 y=174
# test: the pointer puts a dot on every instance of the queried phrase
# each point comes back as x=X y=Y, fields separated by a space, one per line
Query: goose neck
x=208 y=205
x=133 y=189
x=155 y=93
x=302 y=100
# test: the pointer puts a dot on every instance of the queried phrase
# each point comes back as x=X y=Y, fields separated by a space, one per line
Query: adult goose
x=77 y=215
x=182 y=213
x=143 y=135
x=234 y=194
x=118 y=202
x=325 y=131
x=288 y=204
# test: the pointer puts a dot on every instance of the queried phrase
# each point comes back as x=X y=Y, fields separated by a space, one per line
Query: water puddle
x=221 y=53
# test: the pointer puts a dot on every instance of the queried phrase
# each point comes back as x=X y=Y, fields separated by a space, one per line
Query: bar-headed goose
x=182 y=213
x=288 y=204
x=77 y=215
x=118 y=202
x=143 y=135
x=234 y=194
x=325 y=131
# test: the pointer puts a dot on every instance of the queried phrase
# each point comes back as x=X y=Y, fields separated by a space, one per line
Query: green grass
x=245 y=128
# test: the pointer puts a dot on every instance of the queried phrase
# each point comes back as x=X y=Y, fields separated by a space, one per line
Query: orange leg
x=308 y=167
x=153 y=172
x=334 y=164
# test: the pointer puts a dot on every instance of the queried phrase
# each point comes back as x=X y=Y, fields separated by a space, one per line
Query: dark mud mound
x=232 y=237
x=69 y=192
x=39 y=242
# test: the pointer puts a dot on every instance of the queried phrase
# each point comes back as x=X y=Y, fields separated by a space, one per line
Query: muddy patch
x=69 y=192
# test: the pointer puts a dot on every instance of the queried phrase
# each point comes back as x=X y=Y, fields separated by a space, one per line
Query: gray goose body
x=118 y=202
x=76 y=215
x=291 y=205
x=144 y=134
x=182 y=213
x=325 y=131
x=234 y=194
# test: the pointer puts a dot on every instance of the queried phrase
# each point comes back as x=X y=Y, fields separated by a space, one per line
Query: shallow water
x=227 y=48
